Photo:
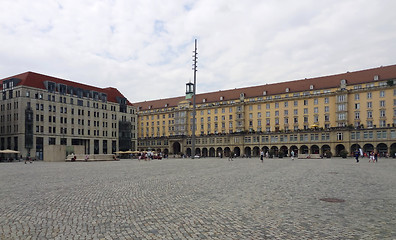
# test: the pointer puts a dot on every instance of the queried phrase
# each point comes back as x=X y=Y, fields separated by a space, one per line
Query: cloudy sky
x=144 y=47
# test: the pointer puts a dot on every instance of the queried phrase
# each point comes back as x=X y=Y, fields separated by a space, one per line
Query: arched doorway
x=204 y=152
x=314 y=149
x=237 y=151
x=294 y=149
x=212 y=152
x=176 y=148
x=368 y=148
x=198 y=152
x=227 y=151
x=339 y=148
x=188 y=152
x=326 y=149
x=265 y=149
x=382 y=149
x=166 y=151
x=256 y=151
x=284 y=150
x=274 y=151
x=393 y=150
x=248 y=152
x=219 y=152
x=304 y=149
x=354 y=147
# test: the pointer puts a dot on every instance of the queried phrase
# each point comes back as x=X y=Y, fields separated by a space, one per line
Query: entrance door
x=176 y=148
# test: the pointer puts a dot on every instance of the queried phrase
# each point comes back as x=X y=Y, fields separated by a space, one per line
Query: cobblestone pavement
x=208 y=198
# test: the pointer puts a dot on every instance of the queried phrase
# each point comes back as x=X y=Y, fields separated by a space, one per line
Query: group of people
x=373 y=156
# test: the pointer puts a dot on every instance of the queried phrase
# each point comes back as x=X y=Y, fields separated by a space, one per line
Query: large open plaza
x=210 y=198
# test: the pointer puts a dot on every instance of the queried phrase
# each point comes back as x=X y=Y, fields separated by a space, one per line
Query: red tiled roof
x=36 y=80
x=325 y=82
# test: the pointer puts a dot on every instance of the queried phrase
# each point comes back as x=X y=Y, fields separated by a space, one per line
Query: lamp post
x=194 y=92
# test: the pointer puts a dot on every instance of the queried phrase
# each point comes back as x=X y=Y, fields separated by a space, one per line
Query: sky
x=144 y=48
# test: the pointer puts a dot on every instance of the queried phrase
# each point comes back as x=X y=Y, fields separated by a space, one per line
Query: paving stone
x=208 y=198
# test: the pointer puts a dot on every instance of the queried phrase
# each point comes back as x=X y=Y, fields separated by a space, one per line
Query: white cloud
x=144 y=48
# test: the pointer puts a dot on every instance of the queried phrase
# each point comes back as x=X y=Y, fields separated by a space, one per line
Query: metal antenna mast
x=194 y=107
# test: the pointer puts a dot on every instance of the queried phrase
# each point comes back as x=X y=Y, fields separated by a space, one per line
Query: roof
x=318 y=83
x=36 y=80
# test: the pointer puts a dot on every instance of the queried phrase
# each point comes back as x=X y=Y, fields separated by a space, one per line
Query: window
x=382 y=103
x=286 y=104
x=326 y=100
x=357 y=115
x=340 y=136
x=369 y=104
x=326 y=109
x=341 y=107
x=305 y=110
x=341 y=98
x=305 y=102
x=357 y=105
x=369 y=114
x=382 y=93
x=341 y=116
x=369 y=95
x=357 y=96
x=382 y=113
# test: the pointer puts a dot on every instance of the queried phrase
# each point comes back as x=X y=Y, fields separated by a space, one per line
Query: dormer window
x=221 y=98
x=264 y=93
x=376 y=77
x=311 y=87
x=287 y=89
x=204 y=100
x=343 y=82
x=242 y=95
x=166 y=105
x=149 y=107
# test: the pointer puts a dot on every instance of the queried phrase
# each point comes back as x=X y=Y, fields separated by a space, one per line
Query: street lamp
x=194 y=93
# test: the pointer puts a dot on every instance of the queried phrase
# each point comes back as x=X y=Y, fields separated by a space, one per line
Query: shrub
x=343 y=153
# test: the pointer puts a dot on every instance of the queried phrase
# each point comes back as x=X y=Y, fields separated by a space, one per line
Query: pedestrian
x=376 y=156
x=230 y=157
x=357 y=154
x=86 y=158
x=292 y=155
x=371 y=157
x=262 y=156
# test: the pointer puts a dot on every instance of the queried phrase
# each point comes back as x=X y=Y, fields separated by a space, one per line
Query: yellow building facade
x=323 y=115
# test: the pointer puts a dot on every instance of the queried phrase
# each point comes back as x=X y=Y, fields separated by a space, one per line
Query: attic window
x=166 y=105
x=311 y=87
x=264 y=93
x=204 y=100
x=287 y=89
x=221 y=98
x=376 y=77
x=242 y=95
x=343 y=81
x=149 y=107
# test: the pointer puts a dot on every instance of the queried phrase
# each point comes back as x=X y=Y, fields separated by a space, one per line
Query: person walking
x=292 y=155
x=230 y=157
x=376 y=157
x=262 y=156
x=357 y=154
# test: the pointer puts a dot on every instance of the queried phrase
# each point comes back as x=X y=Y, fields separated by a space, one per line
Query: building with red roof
x=313 y=116
x=39 y=110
